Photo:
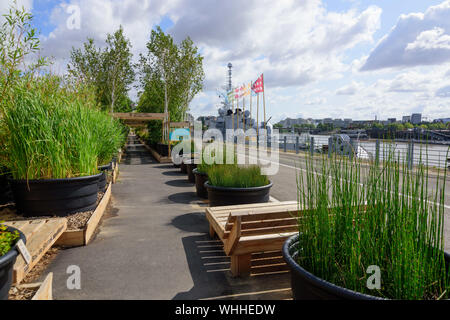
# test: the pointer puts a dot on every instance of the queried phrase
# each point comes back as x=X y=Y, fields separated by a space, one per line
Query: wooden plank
x=115 y=173
x=71 y=238
x=266 y=223
x=45 y=291
x=215 y=225
x=81 y=237
x=252 y=206
x=41 y=235
x=233 y=238
x=97 y=215
x=140 y=116
x=269 y=230
x=241 y=265
x=182 y=124
x=261 y=243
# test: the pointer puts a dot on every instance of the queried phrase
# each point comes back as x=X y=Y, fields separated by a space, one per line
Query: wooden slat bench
x=252 y=228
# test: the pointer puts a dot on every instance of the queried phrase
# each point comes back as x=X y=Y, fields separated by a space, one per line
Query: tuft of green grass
x=51 y=130
x=353 y=216
x=7 y=239
x=233 y=176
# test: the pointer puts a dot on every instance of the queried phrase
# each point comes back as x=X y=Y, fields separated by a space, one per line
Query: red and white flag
x=258 y=85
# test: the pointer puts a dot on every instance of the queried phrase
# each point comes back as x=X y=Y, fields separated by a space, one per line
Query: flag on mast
x=258 y=85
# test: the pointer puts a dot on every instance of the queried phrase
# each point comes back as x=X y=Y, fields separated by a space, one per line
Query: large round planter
x=200 y=180
x=59 y=197
x=6 y=267
x=163 y=149
x=5 y=190
x=306 y=286
x=190 y=166
x=223 y=196
x=183 y=167
x=102 y=181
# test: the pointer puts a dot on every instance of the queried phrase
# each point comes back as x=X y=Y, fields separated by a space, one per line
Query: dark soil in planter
x=6 y=267
x=200 y=180
x=223 y=196
x=60 y=197
x=306 y=286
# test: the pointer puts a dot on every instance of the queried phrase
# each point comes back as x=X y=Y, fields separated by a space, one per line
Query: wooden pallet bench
x=81 y=237
x=252 y=228
x=41 y=235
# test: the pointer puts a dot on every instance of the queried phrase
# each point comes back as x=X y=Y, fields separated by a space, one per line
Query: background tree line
x=167 y=76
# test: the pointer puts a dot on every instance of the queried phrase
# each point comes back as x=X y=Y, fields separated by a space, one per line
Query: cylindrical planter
x=5 y=190
x=190 y=166
x=200 y=180
x=59 y=197
x=6 y=267
x=163 y=149
x=306 y=286
x=223 y=196
x=102 y=181
x=183 y=167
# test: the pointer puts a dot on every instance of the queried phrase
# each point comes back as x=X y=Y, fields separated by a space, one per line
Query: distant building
x=392 y=120
x=443 y=120
x=406 y=119
x=416 y=118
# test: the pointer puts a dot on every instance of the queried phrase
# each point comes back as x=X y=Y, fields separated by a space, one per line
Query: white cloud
x=349 y=90
x=417 y=39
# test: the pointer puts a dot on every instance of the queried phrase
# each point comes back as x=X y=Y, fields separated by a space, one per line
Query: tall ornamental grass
x=354 y=216
x=234 y=176
x=51 y=130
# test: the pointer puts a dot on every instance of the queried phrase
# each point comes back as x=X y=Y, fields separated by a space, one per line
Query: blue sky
x=330 y=58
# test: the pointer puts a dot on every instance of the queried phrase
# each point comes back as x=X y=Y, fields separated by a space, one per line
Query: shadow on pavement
x=209 y=268
x=183 y=197
x=179 y=183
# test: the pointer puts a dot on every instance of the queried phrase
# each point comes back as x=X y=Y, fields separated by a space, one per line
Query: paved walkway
x=154 y=244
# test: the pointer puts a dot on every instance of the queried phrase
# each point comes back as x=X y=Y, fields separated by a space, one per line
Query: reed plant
x=234 y=176
x=354 y=215
x=51 y=130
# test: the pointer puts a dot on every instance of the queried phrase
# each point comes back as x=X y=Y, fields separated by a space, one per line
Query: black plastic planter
x=59 y=197
x=190 y=166
x=6 y=267
x=222 y=196
x=200 y=179
x=162 y=149
x=102 y=181
x=306 y=286
x=5 y=190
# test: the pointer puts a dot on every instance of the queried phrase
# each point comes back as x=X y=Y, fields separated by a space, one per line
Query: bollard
x=311 y=147
x=297 y=141
x=285 y=143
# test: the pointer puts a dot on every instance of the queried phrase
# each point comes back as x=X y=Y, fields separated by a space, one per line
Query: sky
x=356 y=59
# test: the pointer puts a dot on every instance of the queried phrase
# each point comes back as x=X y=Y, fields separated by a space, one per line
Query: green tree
x=169 y=76
x=118 y=70
x=18 y=40
x=110 y=71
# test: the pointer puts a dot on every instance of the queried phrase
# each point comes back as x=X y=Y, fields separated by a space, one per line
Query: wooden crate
x=44 y=288
x=41 y=235
x=81 y=237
